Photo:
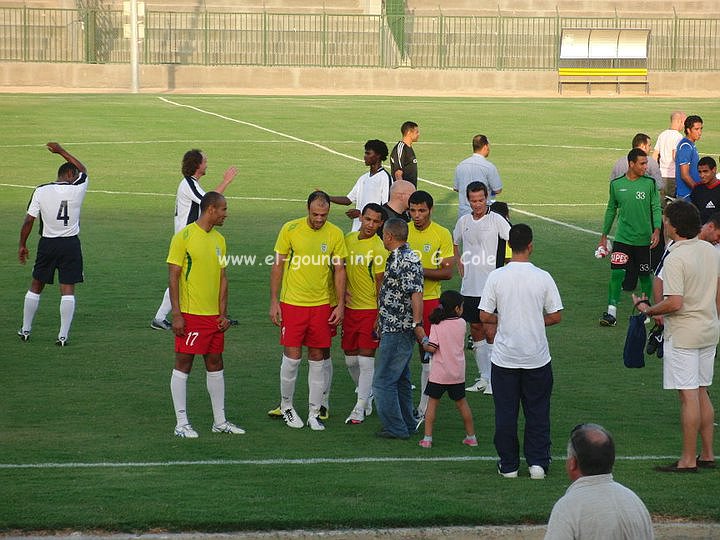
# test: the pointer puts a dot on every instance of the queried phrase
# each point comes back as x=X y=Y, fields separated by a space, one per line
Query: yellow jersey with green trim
x=201 y=255
x=310 y=256
x=365 y=259
x=432 y=245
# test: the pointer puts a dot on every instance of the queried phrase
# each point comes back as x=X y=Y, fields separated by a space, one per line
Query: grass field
x=86 y=431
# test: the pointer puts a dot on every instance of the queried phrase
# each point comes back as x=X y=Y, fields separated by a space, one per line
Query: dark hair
x=714 y=219
x=211 y=198
x=66 y=168
x=449 y=300
x=684 y=216
x=520 y=237
x=315 y=195
x=420 y=197
x=407 y=126
x=474 y=187
x=379 y=147
x=634 y=154
x=593 y=448
x=398 y=228
x=501 y=208
x=707 y=160
x=479 y=141
x=639 y=139
x=191 y=161
x=691 y=120
x=375 y=207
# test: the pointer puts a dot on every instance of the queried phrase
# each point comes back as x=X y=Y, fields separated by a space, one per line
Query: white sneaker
x=511 y=474
x=315 y=423
x=357 y=416
x=488 y=390
x=369 y=406
x=228 y=427
x=480 y=385
x=186 y=432
x=292 y=419
x=537 y=472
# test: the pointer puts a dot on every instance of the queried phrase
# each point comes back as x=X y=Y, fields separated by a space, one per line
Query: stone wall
x=53 y=77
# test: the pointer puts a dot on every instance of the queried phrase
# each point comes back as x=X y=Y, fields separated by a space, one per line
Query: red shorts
x=358 y=329
x=202 y=335
x=428 y=307
x=305 y=325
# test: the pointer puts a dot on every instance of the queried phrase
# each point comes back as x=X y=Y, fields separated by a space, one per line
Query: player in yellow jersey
x=305 y=251
x=434 y=244
x=365 y=266
x=198 y=295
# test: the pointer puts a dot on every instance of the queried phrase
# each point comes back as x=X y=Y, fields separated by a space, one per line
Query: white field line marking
x=334 y=152
x=280 y=199
x=198 y=142
x=148 y=194
x=261 y=462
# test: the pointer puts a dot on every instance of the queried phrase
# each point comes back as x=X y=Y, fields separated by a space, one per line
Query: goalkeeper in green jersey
x=634 y=200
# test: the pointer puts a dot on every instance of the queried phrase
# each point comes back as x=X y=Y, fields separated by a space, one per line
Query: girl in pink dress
x=447 y=366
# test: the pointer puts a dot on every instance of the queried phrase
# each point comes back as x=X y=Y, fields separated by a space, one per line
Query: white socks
x=367 y=369
x=165 y=307
x=612 y=310
x=353 y=368
x=482 y=349
x=30 y=307
x=327 y=377
x=216 y=388
x=316 y=384
x=178 y=389
x=288 y=376
x=67 y=310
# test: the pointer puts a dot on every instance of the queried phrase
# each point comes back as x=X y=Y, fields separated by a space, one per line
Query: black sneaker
x=470 y=343
x=655 y=341
x=607 y=320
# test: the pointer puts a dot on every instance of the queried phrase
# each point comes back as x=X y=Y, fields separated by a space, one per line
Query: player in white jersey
x=187 y=210
x=58 y=205
x=479 y=233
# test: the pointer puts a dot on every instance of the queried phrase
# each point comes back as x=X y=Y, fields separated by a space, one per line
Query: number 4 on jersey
x=62 y=214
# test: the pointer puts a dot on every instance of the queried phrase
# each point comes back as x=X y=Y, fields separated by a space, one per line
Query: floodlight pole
x=134 y=43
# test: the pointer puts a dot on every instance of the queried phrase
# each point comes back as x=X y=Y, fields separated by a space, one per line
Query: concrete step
x=586 y=8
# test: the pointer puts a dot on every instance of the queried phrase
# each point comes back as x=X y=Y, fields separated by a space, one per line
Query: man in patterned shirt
x=399 y=326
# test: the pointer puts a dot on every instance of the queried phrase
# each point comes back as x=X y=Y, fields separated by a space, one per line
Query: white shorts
x=687 y=369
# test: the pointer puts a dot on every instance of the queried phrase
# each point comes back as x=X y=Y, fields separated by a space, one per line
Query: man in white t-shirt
x=521 y=299
x=479 y=233
x=664 y=153
x=187 y=211
x=58 y=206
x=371 y=187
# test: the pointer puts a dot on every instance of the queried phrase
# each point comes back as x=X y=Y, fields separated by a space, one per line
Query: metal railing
x=321 y=39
